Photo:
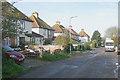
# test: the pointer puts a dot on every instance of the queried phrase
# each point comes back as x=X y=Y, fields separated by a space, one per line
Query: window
x=49 y=34
x=22 y=24
x=109 y=44
x=44 y=31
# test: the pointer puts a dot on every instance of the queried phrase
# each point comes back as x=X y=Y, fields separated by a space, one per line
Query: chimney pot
x=58 y=22
x=35 y=14
x=82 y=29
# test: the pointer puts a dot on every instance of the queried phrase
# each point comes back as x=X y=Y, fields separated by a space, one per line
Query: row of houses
x=35 y=30
x=61 y=30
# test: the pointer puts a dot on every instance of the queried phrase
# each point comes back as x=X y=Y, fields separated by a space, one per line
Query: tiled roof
x=83 y=34
x=73 y=32
x=6 y=5
x=39 y=23
x=60 y=29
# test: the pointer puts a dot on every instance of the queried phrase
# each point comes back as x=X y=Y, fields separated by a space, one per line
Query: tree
x=96 y=36
x=65 y=42
x=10 y=17
x=112 y=33
x=62 y=40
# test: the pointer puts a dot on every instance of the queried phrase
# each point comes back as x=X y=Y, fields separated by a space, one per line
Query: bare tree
x=112 y=33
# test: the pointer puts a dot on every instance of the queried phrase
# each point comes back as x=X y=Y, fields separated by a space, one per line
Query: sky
x=91 y=16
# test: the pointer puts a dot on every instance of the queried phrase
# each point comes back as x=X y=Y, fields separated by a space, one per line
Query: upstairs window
x=22 y=24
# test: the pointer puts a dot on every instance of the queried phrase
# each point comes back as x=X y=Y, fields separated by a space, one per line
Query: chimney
x=58 y=22
x=82 y=29
x=35 y=14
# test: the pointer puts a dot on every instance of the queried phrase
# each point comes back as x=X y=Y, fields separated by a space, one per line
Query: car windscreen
x=7 y=49
x=109 y=44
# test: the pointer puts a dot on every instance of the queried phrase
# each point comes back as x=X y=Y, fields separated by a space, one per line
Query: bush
x=67 y=48
x=65 y=42
x=85 y=46
x=80 y=47
x=94 y=44
x=47 y=41
x=9 y=67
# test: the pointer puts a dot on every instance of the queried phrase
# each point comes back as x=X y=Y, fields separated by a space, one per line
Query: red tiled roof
x=73 y=32
x=83 y=34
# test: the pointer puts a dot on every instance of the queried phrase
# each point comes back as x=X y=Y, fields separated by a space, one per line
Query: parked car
x=118 y=49
x=102 y=45
x=11 y=54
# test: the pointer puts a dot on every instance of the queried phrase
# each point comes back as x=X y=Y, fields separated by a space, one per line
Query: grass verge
x=56 y=56
x=10 y=69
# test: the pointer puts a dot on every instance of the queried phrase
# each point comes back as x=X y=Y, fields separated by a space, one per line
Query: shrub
x=62 y=40
x=86 y=46
x=94 y=44
x=80 y=47
x=65 y=42
x=67 y=48
x=47 y=41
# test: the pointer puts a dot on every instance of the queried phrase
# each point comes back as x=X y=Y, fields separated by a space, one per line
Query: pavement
x=94 y=64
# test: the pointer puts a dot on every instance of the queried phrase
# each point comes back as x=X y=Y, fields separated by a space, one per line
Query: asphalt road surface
x=101 y=64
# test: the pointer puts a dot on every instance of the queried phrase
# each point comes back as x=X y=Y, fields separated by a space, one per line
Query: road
x=83 y=65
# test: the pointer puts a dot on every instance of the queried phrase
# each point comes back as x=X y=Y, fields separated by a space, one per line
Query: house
x=25 y=25
x=59 y=30
x=35 y=38
x=74 y=35
x=41 y=27
x=84 y=37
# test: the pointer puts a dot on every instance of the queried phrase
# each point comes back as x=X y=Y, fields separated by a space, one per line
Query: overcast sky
x=91 y=16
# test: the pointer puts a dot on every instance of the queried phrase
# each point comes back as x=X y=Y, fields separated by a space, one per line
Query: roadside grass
x=56 y=56
x=10 y=68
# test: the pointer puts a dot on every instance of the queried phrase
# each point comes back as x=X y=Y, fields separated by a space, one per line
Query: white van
x=109 y=45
